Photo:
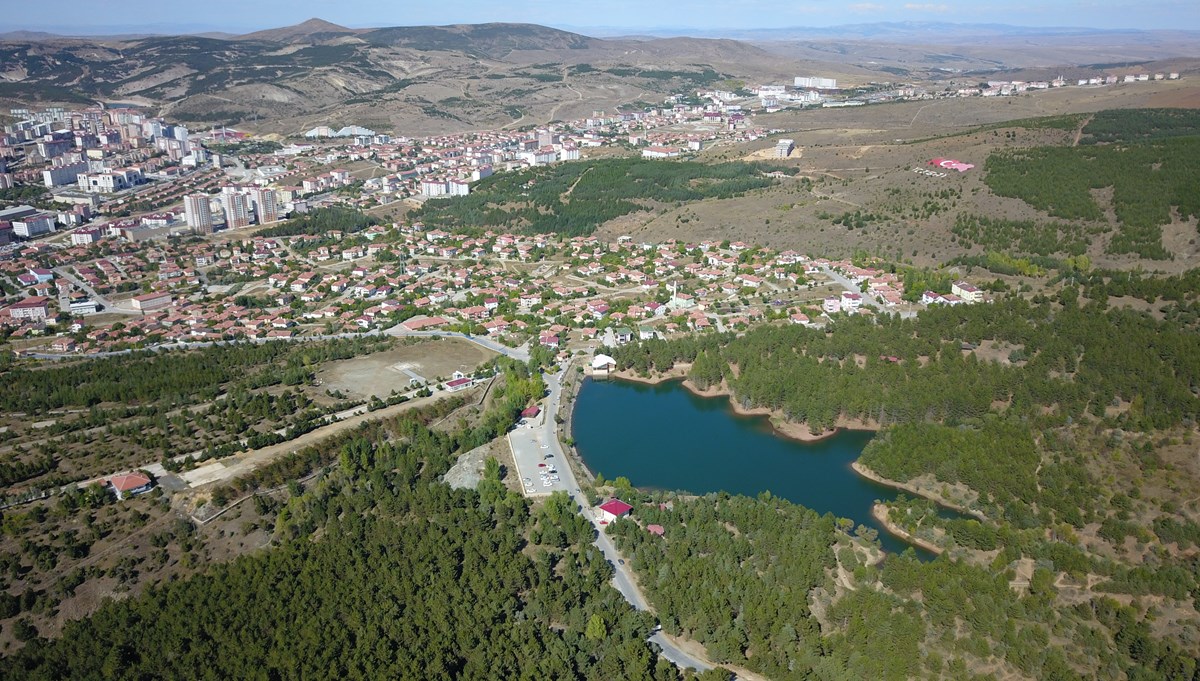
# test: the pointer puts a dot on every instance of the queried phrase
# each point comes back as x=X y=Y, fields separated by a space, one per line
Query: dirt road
x=241 y=464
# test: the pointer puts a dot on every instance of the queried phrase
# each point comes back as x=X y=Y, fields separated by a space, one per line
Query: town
x=502 y=286
x=143 y=233
x=153 y=235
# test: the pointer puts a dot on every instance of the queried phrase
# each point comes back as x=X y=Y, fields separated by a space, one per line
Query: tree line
x=1067 y=361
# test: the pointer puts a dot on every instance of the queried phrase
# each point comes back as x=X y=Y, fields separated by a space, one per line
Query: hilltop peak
x=317 y=24
x=314 y=27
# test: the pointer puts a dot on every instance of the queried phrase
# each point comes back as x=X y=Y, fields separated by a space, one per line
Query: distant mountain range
x=904 y=31
x=417 y=79
x=425 y=79
x=899 y=31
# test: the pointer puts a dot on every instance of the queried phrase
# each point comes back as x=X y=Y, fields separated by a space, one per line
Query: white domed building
x=603 y=365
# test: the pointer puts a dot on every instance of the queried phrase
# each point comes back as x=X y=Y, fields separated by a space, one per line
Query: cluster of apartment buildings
x=96 y=150
x=113 y=160
x=239 y=206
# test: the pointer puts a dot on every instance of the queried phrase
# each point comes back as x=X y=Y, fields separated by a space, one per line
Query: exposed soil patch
x=381 y=373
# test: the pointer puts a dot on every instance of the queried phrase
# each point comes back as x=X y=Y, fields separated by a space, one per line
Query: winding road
x=623 y=578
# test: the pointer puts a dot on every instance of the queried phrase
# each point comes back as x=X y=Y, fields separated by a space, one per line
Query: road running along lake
x=665 y=437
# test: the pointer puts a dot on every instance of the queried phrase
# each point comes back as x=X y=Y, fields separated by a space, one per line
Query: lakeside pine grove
x=1042 y=416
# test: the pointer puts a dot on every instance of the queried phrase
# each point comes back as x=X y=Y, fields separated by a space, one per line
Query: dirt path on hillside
x=241 y=464
x=566 y=194
x=1079 y=130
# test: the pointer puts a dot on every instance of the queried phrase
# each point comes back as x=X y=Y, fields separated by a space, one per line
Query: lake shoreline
x=668 y=439
x=861 y=469
x=881 y=513
x=793 y=430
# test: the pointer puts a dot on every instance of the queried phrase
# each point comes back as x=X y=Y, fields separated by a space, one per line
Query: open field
x=863 y=159
x=381 y=373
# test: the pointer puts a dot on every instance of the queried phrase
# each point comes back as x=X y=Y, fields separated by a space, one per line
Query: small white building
x=613 y=509
x=603 y=365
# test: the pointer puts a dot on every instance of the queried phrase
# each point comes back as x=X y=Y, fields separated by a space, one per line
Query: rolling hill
x=410 y=80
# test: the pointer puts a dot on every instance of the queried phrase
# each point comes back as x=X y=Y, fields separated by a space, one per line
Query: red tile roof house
x=458 y=384
x=130 y=484
x=613 y=509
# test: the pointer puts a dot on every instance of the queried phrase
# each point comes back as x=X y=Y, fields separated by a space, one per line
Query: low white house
x=613 y=509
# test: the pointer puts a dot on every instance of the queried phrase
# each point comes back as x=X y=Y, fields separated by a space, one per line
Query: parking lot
x=537 y=467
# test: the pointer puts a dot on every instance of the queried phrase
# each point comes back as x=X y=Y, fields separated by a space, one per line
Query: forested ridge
x=384 y=572
x=1063 y=423
x=1063 y=360
x=734 y=573
x=181 y=377
x=1149 y=159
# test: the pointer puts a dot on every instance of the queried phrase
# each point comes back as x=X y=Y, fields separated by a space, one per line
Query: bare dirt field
x=382 y=372
x=468 y=470
x=1182 y=98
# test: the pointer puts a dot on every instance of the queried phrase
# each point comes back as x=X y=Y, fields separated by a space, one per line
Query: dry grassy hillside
x=862 y=160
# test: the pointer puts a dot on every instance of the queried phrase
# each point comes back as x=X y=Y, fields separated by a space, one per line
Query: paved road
x=99 y=299
x=844 y=281
x=677 y=655
x=521 y=353
x=623 y=579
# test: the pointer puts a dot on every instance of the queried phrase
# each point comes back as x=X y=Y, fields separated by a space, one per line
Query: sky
x=109 y=16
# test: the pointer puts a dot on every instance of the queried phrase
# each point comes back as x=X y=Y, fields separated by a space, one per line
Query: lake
x=665 y=437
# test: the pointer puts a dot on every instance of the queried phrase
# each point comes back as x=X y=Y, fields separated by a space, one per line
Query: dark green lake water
x=664 y=437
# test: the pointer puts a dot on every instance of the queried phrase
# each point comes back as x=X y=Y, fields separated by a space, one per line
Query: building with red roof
x=424 y=323
x=613 y=509
x=33 y=309
x=129 y=484
x=458 y=384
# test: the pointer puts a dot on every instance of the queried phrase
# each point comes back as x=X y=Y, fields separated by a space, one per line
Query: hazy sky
x=242 y=15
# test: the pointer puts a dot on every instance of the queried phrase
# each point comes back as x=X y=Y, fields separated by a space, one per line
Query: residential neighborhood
x=119 y=294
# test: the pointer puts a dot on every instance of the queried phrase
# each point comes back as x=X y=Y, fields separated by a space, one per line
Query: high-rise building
x=266 y=205
x=237 y=208
x=198 y=213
